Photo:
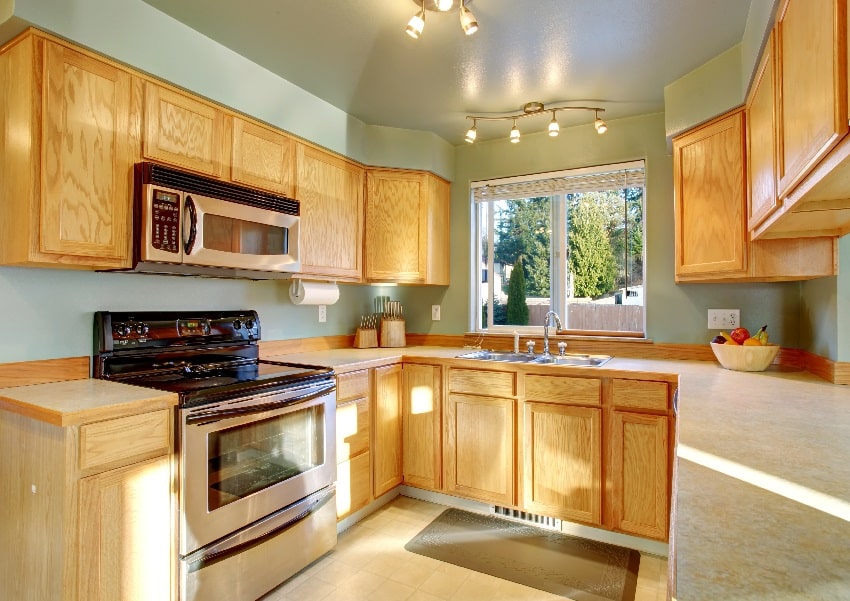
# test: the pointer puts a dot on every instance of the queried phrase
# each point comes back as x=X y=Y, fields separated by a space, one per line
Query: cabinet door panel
x=709 y=198
x=331 y=194
x=422 y=426
x=184 y=131
x=263 y=158
x=125 y=530
x=563 y=461
x=353 y=490
x=480 y=454
x=87 y=163
x=352 y=429
x=639 y=466
x=387 y=456
x=761 y=141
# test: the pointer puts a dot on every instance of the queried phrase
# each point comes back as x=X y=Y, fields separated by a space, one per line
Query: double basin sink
x=567 y=359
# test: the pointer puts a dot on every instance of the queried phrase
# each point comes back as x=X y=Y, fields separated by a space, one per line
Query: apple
x=739 y=335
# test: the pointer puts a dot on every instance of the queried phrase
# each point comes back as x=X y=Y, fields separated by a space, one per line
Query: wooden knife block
x=365 y=338
x=392 y=333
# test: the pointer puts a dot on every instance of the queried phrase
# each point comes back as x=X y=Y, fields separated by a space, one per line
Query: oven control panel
x=116 y=331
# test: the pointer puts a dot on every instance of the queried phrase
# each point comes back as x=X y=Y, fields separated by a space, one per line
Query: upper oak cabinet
x=68 y=143
x=331 y=193
x=711 y=239
x=407 y=223
x=262 y=157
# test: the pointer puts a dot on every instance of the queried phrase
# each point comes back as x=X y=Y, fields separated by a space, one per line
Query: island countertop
x=762 y=485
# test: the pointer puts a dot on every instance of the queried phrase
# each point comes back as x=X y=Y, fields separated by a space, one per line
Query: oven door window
x=248 y=458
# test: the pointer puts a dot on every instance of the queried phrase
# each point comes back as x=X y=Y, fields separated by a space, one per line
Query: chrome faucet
x=546 y=329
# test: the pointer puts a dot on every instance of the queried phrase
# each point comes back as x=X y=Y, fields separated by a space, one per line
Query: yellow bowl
x=745 y=358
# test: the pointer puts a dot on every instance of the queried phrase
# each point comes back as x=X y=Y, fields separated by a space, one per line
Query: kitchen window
x=569 y=241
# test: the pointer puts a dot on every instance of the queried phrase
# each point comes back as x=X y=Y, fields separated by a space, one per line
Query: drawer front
x=563 y=390
x=477 y=381
x=352 y=429
x=125 y=438
x=352 y=385
x=353 y=490
x=639 y=394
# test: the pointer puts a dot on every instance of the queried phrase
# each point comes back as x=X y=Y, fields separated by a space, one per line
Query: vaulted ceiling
x=617 y=54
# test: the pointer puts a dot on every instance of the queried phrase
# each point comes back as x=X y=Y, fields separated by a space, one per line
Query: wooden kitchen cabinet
x=94 y=516
x=67 y=144
x=422 y=426
x=387 y=446
x=353 y=442
x=330 y=190
x=711 y=238
x=262 y=157
x=407 y=227
x=185 y=131
x=639 y=470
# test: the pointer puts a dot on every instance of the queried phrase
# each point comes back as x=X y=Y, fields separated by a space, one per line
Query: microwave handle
x=190 y=224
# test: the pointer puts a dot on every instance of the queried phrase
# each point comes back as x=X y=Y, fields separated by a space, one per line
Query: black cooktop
x=202 y=356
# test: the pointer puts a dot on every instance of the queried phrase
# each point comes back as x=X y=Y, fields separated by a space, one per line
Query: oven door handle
x=260 y=531
x=209 y=417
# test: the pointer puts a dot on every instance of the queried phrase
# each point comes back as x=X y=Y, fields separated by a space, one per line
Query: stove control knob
x=249 y=323
x=122 y=329
x=142 y=329
x=237 y=324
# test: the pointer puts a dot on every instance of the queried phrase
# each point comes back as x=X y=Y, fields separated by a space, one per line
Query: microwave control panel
x=165 y=221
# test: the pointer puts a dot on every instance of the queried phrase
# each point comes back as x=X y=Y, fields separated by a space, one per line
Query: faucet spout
x=546 y=324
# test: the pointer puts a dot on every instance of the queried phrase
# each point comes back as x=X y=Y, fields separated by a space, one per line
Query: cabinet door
x=479 y=448
x=263 y=158
x=708 y=173
x=86 y=193
x=563 y=461
x=437 y=256
x=353 y=491
x=396 y=226
x=387 y=428
x=330 y=190
x=761 y=141
x=185 y=132
x=126 y=540
x=812 y=72
x=422 y=419
x=639 y=469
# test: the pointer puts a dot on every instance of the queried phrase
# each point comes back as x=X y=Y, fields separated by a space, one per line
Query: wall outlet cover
x=724 y=319
x=323 y=313
x=435 y=312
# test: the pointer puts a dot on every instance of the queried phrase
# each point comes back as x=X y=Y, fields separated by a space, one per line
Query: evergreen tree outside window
x=577 y=236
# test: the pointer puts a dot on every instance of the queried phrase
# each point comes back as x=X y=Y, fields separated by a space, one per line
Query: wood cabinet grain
x=387 y=446
x=422 y=426
x=262 y=157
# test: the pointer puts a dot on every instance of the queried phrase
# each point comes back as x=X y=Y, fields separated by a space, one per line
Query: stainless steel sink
x=579 y=360
x=569 y=359
x=499 y=356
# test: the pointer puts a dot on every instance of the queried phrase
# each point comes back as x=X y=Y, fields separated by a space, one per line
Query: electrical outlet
x=323 y=313
x=724 y=319
x=435 y=312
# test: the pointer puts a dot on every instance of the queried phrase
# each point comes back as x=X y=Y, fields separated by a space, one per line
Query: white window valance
x=571 y=181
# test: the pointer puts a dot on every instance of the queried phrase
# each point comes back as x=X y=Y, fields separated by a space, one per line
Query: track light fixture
x=530 y=109
x=417 y=22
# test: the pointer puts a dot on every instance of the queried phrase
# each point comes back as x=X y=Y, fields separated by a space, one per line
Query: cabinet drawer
x=639 y=394
x=107 y=442
x=563 y=390
x=352 y=429
x=352 y=385
x=476 y=381
x=352 y=486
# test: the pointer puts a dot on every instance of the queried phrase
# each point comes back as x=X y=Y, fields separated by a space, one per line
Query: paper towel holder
x=308 y=292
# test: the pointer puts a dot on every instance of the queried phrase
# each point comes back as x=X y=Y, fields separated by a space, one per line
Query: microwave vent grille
x=153 y=173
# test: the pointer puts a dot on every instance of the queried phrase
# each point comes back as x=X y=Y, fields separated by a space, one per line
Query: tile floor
x=370 y=563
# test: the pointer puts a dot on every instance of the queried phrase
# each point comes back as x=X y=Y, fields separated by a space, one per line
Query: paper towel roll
x=313 y=293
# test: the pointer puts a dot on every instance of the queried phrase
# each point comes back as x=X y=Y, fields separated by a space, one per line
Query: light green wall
x=675 y=313
x=825 y=315
x=759 y=23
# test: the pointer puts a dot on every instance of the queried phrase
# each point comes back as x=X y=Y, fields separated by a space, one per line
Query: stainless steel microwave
x=193 y=225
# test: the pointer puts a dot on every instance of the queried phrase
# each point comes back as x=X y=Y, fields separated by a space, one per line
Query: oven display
x=193 y=327
x=165 y=221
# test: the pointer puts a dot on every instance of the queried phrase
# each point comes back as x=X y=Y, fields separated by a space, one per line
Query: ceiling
x=354 y=54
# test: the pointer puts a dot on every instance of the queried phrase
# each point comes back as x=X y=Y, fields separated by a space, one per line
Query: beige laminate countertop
x=76 y=402
x=762 y=500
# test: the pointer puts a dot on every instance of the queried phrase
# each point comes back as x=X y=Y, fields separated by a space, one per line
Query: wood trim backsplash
x=25 y=373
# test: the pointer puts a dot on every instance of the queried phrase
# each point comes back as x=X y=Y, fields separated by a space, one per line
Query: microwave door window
x=244 y=237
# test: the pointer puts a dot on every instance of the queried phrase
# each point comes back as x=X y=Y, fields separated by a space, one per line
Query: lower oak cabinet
x=387 y=423
x=353 y=448
x=91 y=509
x=479 y=452
x=422 y=417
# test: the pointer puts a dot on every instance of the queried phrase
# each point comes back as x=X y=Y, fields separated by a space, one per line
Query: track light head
x=600 y=125
x=514 y=134
x=416 y=24
x=554 y=128
x=467 y=20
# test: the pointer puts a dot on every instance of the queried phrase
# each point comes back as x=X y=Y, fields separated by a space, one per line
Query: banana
x=727 y=337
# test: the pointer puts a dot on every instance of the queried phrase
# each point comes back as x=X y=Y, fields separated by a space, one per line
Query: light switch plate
x=724 y=319
x=323 y=313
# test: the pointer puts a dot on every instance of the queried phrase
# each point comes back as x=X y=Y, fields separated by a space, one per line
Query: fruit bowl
x=745 y=358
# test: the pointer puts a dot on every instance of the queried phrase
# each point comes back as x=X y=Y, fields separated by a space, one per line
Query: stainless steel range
x=255 y=439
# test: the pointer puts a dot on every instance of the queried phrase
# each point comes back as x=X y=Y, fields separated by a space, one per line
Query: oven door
x=219 y=233
x=243 y=459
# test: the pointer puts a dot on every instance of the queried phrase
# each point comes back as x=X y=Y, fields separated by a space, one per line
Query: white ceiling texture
x=617 y=54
